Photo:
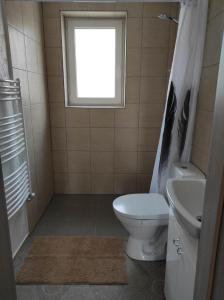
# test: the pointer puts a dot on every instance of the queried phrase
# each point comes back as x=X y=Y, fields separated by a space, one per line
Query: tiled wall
x=205 y=107
x=111 y=150
x=25 y=34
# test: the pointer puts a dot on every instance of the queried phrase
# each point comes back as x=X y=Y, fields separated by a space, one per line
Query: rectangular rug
x=74 y=260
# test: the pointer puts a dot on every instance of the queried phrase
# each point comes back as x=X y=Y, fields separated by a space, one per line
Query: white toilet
x=145 y=216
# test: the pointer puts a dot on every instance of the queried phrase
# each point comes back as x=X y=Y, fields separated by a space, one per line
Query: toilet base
x=143 y=250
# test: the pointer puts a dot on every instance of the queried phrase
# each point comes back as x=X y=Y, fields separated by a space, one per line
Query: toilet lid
x=142 y=206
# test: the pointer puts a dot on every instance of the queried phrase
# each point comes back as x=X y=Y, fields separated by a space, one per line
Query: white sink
x=187 y=198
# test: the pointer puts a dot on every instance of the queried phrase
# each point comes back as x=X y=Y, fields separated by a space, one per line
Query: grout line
x=139 y=96
x=90 y=152
x=114 y=152
x=212 y=17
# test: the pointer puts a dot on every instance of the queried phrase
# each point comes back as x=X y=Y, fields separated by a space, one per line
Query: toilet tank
x=186 y=170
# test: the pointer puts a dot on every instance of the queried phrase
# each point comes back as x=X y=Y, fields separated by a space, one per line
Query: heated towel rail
x=13 y=147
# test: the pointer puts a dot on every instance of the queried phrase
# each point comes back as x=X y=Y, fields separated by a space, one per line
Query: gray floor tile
x=90 y=215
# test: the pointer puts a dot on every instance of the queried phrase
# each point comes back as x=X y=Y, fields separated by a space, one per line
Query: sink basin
x=187 y=198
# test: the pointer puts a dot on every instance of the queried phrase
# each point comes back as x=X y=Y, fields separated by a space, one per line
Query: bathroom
x=89 y=168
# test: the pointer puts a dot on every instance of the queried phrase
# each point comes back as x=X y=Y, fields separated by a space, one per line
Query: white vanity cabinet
x=180 y=263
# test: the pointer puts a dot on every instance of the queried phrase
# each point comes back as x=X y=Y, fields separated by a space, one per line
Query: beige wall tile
x=27 y=121
x=127 y=117
x=173 y=34
x=216 y=6
x=152 y=10
x=79 y=183
x=206 y=98
x=78 y=139
x=102 y=139
x=44 y=198
x=79 y=161
x=126 y=139
x=28 y=19
x=14 y=14
x=134 y=32
x=153 y=89
x=143 y=183
x=54 y=61
x=132 y=90
x=61 y=183
x=214 y=40
x=102 y=162
x=96 y=6
x=27 y=54
x=40 y=117
x=104 y=131
x=207 y=90
x=99 y=6
x=125 y=162
x=43 y=165
x=77 y=117
x=102 y=183
x=60 y=161
x=155 y=33
x=34 y=87
x=133 y=62
x=57 y=115
x=51 y=10
x=170 y=61
x=203 y=128
x=134 y=9
x=125 y=184
x=43 y=88
x=42 y=149
x=58 y=136
x=148 y=139
x=37 y=12
x=32 y=217
x=200 y=159
x=55 y=89
x=150 y=115
x=146 y=162
x=154 y=61
x=32 y=212
x=175 y=9
x=17 y=47
x=38 y=28
x=37 y=88
x=102 y=118
x=31 y=55
x=22 y=75
x=52 y=32
x=41 y=67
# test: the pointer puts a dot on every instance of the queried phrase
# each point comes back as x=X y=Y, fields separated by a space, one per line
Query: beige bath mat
x=74 y=260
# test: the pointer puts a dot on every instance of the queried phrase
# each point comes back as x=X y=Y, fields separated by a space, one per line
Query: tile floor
x=90 y=215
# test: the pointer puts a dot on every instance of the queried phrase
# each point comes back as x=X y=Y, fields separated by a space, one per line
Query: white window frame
x=93 y=19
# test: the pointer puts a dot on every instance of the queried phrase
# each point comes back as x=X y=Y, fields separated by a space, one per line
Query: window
x=94 y=58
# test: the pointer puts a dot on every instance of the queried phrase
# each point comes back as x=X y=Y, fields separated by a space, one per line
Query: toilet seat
x=148 y=206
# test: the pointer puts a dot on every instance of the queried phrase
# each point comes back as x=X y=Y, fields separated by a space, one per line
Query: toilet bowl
x=145 y=216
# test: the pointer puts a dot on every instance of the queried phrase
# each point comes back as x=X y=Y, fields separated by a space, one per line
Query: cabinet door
x=180 y=269
x=186 y=270
x=172 y=261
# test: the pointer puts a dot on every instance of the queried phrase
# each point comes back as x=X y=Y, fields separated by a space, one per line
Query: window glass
x=95 y=62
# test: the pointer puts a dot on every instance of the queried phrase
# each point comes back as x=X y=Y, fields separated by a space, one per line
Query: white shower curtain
x=184 y=79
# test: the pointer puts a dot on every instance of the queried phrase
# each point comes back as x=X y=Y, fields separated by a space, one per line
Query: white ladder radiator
x=13 y=147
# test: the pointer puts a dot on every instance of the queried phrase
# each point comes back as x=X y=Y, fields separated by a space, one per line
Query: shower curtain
x=178 y=121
